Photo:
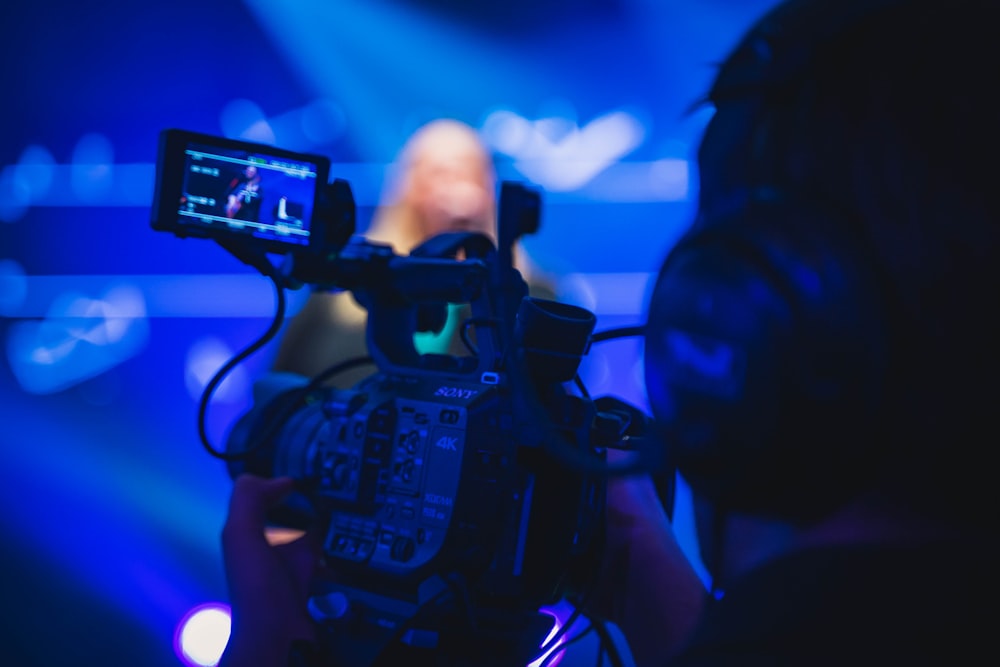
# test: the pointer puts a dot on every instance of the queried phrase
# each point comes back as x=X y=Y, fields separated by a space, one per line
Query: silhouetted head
x=825 y=329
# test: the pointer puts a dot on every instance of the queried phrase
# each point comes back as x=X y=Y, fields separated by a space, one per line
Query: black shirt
x=927 y=605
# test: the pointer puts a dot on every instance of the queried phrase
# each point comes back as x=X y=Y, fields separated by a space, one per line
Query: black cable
x=601 y=336
x=213 y=384
x=579 y=606
x=620 y=332
x=581 y=602
x=580 y=609
x=277 y=421
x=607 y=645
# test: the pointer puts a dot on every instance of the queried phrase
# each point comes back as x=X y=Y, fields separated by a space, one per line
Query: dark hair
x=888 y=133
x=896 y=126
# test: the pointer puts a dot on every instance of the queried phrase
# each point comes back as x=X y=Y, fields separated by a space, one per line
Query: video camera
x=456 y=495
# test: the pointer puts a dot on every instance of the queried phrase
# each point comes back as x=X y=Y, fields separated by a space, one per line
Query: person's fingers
x=636 y=492
x=251 y=498
x=633 y=496
x=302 y=557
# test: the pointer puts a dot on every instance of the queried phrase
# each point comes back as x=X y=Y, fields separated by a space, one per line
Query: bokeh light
x=202 y=635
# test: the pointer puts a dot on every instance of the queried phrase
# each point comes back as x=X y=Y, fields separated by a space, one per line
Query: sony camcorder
x=456 y=495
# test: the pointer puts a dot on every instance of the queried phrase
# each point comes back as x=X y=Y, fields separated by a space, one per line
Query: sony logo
x=455 y=392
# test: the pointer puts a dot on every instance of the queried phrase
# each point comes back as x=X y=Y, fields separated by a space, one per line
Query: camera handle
x=398 y=290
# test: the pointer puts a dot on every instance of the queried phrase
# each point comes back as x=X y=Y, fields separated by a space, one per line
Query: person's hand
x=636 y=522
x=268 y=584
x=647 y=585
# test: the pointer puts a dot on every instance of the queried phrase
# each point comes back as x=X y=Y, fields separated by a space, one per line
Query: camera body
x=447 y=516
x=419 y=486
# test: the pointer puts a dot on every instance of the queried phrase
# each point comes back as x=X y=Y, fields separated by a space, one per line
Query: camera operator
x=822 y=359
x=820 y=350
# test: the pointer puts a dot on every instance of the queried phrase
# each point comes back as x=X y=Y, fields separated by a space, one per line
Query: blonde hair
x=397 y=219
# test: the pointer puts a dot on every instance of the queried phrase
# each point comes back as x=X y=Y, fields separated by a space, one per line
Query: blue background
x=111 y=510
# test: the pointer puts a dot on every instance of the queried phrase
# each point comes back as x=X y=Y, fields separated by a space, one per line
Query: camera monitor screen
x=218 y=188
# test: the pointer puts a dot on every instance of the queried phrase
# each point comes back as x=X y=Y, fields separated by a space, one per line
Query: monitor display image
x=255 y=193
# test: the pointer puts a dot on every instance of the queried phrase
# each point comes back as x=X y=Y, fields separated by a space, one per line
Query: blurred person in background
x=443 y=180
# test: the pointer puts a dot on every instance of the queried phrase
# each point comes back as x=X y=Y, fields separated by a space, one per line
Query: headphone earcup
x=764 y=353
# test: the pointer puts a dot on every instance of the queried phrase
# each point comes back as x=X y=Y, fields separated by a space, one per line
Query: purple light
x=560 y=614
x=202 y=635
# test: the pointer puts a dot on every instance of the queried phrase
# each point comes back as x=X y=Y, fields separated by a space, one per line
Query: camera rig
x=455 y=495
